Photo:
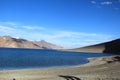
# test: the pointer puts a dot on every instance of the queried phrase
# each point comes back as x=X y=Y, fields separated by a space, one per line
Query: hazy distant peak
x=6 y=36
x=42 y=41
x=47 y=45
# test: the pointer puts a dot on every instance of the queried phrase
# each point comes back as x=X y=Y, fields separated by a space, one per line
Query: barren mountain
x=106 y=47
x=7 y=41
x=46 y=45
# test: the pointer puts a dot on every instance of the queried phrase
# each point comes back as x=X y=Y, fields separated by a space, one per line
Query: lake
x=16 y=58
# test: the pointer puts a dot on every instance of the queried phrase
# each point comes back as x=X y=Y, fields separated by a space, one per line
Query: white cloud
x=93 y=2
x=8 y=23
x=11 y=23
x=71 y=34
x=64 y=38
x=5 y=29
x=73 y=39
x=106 y=3
x=34 y=27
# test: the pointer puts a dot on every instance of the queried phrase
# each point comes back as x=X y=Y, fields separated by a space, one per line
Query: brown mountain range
x=106 y=47
x=7 y=41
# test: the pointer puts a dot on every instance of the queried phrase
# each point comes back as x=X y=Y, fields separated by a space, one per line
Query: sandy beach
x=103 y=68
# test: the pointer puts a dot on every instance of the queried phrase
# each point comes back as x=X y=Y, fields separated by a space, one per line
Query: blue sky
x=69 y=23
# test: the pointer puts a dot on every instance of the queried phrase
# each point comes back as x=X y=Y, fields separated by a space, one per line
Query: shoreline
x=102 y=68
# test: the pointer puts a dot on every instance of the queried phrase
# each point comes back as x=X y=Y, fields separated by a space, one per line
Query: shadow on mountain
x=112 y=47
x=106 y=47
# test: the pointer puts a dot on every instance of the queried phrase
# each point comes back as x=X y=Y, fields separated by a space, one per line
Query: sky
x=68 y=23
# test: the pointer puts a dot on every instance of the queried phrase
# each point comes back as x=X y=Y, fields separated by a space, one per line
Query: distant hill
x=46 y=45
x=7 y=41
x=106 y=47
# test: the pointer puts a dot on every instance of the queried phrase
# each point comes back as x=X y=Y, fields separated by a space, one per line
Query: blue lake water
x=11 y=58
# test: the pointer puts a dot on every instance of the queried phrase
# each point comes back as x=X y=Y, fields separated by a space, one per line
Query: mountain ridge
x=105 y=47
x=10 y=42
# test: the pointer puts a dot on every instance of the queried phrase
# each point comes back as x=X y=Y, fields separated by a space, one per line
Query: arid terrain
x=10 y=42
x=106 y=47
x=102 y=68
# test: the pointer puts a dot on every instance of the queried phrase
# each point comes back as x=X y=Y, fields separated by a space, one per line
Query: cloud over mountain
x=66 y=38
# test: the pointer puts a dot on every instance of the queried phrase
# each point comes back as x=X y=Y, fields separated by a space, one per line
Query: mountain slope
x=46 y=45
x=7 y=41
x=107 y=47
